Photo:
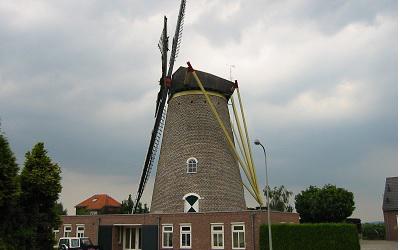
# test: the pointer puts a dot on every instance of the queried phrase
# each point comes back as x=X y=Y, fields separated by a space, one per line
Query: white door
x=132 y=238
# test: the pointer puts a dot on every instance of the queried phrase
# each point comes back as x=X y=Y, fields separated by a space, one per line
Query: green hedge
x=310 y=237
x=373 y=231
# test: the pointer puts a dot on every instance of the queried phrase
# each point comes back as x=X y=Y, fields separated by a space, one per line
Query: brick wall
x=192 y=131
x=91 y=225
x=200 y=223
x=390 y=218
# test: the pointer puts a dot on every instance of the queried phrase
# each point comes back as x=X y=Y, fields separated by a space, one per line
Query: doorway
x=132 y=238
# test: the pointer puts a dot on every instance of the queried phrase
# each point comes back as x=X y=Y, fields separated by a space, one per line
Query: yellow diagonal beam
x=215 y=113
x=242 y=155
x=238 y=142
x=227 y=136
x=242 y=141
x=247 y=135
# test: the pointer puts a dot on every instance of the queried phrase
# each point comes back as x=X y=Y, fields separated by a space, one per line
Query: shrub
x=373 y=231
x=324 y=205
x=310 y=237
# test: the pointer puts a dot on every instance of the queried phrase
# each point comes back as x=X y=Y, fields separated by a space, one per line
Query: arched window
x=191 y=165
x=191 y=203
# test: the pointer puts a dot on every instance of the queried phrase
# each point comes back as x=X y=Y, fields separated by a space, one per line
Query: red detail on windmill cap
x=167 y=82
x=190 y=68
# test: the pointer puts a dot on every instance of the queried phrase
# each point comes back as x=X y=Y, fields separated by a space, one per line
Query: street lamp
x=257 y=142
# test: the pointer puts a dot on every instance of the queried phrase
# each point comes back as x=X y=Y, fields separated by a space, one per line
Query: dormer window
x=191 y=165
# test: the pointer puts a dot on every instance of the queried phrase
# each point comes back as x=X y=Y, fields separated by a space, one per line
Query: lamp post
x=257 y=142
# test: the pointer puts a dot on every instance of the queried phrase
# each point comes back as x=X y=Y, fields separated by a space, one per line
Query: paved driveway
x=378 y=245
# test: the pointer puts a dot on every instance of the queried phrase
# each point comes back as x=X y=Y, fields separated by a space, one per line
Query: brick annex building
x=211 y=230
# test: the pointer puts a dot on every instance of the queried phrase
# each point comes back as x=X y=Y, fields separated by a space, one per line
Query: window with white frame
x=67 y=230
x=191 y=165
x=80 y=231
x=167 y=232
x=238 y=239
x=217 y=236
x=186 y=236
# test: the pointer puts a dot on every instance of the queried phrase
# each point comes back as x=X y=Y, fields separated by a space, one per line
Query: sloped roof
x=98 y=201
x=390 y=195
x=181 y=81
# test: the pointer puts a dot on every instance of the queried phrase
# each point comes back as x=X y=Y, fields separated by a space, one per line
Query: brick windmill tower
x=198 y=170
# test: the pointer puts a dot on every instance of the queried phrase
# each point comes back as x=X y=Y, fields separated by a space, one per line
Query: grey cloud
x=325 y=16
x=83 y=78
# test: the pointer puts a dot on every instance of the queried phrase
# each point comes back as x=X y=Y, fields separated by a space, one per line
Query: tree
x=9 y=190
x=141 y=209
x=279 y=199
x=127 y=206
x=326 y=204
x=40 y=188
x=59 y=208
x=146 y=209
x=82 y=211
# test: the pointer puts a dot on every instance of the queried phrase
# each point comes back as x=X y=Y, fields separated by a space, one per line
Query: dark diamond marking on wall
x=191 y=199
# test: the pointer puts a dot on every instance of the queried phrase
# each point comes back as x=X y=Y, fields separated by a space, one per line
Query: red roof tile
x=99 y=201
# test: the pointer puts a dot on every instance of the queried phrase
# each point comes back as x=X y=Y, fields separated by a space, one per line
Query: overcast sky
x=318 y=79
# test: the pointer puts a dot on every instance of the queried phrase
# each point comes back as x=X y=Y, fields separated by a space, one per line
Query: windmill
x=202 y=149
x=165 y=81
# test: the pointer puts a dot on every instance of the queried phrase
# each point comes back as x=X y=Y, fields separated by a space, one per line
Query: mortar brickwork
x=200 y=223
x=390 y=219
x=191 y=130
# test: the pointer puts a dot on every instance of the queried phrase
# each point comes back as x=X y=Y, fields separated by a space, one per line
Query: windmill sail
x=161 y=98
x=163 y=46
x=176 y=42
x=159 y=121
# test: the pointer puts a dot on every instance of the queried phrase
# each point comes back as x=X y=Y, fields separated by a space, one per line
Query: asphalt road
x=378 y=245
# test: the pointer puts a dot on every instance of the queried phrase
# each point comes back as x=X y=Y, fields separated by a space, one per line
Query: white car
x=84 y=243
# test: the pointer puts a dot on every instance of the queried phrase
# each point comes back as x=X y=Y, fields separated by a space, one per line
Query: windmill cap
x=182 y=80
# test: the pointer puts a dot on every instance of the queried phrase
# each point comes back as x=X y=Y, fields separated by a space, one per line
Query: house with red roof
x=98 y=204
